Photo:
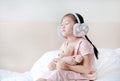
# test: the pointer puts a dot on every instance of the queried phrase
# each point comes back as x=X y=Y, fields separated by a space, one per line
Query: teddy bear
x=65 y=56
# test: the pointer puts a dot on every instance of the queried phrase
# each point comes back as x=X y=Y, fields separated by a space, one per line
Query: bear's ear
x=78 y=58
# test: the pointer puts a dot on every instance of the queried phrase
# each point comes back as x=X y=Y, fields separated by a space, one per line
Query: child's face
x=67 y=26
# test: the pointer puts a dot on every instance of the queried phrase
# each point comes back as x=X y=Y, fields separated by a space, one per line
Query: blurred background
x=28 y=28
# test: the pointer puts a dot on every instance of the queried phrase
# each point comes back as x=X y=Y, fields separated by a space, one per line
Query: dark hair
x=82 y=21
x=95 y=49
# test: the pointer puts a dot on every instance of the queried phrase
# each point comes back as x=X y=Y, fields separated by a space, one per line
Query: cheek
x=69 y=29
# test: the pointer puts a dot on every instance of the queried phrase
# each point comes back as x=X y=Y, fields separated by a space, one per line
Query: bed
x=108 y=67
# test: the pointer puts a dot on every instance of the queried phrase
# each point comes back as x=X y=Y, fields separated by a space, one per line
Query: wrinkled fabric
x=63 y=75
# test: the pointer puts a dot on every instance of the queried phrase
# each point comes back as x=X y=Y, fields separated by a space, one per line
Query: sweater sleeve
x=85 y=48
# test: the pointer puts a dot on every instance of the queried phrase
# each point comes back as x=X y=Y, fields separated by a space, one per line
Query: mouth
x=62 y=30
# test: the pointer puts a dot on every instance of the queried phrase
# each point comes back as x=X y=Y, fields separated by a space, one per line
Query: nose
x=62 y=27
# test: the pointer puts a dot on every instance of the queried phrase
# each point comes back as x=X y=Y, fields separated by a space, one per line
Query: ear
x=80 y=30
x=78 y=58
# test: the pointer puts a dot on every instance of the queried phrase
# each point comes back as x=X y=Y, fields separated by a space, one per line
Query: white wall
x=28 y=27
x=52 y=10
x=29 y=10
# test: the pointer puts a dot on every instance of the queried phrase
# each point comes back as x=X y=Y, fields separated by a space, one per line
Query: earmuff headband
x=76 y=17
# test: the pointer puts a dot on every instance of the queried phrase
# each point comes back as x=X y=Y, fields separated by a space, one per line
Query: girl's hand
x=67 y=67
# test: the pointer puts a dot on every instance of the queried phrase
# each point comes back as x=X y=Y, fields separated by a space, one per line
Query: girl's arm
x=85 y=67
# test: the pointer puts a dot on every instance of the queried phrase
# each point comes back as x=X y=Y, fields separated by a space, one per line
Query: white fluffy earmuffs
x=79 y=29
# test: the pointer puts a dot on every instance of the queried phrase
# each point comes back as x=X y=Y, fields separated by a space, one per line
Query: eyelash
x=65 y=24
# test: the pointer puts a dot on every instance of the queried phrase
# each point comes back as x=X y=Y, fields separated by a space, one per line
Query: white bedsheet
x=6 y=75
x=108 y=67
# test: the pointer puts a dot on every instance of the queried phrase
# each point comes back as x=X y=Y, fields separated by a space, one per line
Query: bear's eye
x=58 y=54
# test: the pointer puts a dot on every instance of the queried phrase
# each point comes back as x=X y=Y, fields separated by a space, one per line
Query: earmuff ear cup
x=59 y=32
x=80 y=30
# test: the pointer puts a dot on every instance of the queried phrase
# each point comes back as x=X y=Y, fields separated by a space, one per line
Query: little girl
x=74 y=30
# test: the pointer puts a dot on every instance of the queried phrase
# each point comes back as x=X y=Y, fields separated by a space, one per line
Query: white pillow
x=40 y=67
x=108 y=65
